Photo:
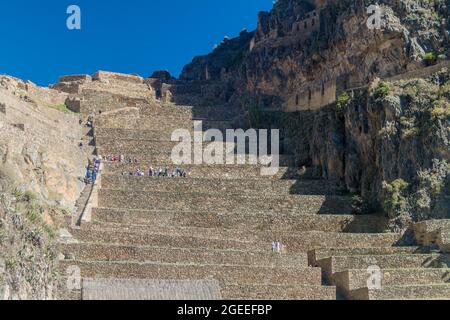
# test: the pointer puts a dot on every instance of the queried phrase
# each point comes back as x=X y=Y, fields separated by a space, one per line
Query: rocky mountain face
x=28 y=248
x=41 y=172
x=313 y=69
x=39 y=142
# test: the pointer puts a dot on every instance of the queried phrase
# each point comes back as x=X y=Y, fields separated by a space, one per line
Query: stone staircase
x=148 y=236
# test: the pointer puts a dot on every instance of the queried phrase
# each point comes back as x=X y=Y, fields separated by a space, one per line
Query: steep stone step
x=107 y=252
x=320 y=254
x=81 y=203
x=208 y=233
x=127 y=289
x=242 y=221
x=133 y=134
x=306 y=241
x=147 y=290
x=162 y=239
x=422 y=292
x=163 y=154
x=341 y=263
x=160 y=123
x=357 y=279
x=302 y=204
x=293 y=242
x=265 y=292
x=210 y=171
x=225 y=186
x=427 y=232
x=127 y=146
x=212 y=113
x=130 y=134
x=249 y=275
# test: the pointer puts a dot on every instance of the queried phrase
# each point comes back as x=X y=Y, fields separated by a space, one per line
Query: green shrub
x=395 y=200
x=441 y=109
x=17 y=193
x=382 y=90
x=430 y=58
x=342 y=101
x=444 y=91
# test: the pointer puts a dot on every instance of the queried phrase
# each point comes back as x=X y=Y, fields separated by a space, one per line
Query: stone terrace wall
x=95 y=101
x=235 y=186
x=196 y=93
x=105 y=76
x=223 y=203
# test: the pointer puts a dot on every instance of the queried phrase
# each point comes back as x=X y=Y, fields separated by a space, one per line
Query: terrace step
x=187 y=111
x=130 y=134
x=422 y=292
x=303 y=204
x=320 y=254
x=124 y=146
x=161 y=239
x=248 y=275
x=407 y=261
x=160 y=123
x=356 y=279
x=257 y=221
x=427 y=232
x=225 y=186
x=306 y=241
x=147 y=290
x=107 y=252
x=265 y=292
x=120 y=289
x=294 y=243
x=211 y=171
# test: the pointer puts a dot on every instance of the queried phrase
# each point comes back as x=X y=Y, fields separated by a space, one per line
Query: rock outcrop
x=317 y=62
x=41 y=177
x=39 y=143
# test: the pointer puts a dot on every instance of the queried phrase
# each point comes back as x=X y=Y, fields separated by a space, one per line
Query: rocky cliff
x=316 y=66
x=41 y=172
x=39 y=142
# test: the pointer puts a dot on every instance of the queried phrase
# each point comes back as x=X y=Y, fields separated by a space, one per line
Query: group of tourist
x=120 y=158
x=92 y=171
x=277 y=246
x=88 y=123
x=160 y=172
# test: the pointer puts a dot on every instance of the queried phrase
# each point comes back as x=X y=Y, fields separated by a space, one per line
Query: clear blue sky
x=130 y=36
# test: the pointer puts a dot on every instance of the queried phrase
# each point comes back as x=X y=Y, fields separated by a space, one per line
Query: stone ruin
x=146 y=237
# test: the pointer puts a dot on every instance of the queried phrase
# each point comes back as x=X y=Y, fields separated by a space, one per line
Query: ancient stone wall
x=307 y=24
x=312 y=97
x=222 y=203
x=104 y=76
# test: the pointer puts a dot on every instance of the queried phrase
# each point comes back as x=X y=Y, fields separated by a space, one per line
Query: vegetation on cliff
x=28 y=247
x=418 y=126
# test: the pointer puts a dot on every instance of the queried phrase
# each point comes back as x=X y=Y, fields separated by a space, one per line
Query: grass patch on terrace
x=61 y=107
